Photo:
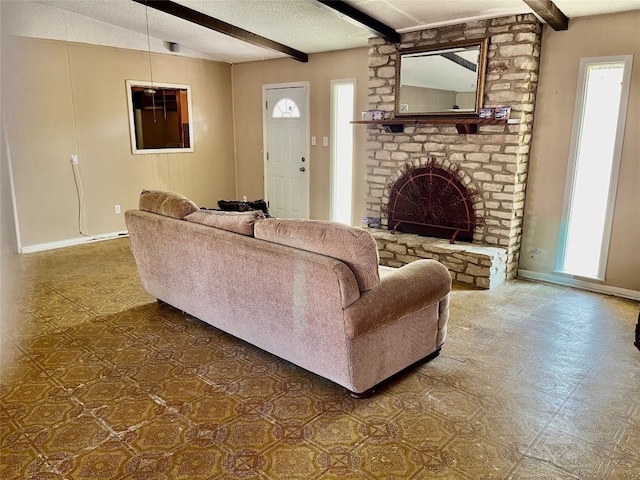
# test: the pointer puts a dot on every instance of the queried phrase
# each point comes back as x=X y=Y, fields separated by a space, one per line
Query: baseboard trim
x=72 y=242
x=572 y=282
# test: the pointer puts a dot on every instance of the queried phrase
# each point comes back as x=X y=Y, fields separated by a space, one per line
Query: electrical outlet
x=74 y=159
x=117 y=209
x=244 y=198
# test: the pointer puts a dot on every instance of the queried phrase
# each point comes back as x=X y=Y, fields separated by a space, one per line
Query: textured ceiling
x=304 y=25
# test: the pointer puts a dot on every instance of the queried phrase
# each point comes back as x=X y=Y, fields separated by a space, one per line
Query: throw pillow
x=237 y=222
x=355 y=247
x=233 y=206
x=241 y=206
x=168 y=204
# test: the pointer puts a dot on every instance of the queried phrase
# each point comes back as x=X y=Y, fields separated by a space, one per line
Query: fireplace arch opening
x=432 y=200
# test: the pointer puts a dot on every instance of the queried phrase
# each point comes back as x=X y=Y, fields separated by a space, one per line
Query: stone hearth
x=478 y=265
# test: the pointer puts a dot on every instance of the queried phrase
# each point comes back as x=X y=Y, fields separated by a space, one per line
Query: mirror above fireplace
x=441 y=80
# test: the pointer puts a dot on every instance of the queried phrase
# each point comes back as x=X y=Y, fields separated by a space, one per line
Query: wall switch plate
x=313 y=140
x=74 y=159
x=117 y=209
x=325 y=141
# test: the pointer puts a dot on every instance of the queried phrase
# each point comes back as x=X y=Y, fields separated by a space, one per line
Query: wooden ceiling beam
x=353 y=15
x=214 y=24
x=551 y=14
x=463 y=62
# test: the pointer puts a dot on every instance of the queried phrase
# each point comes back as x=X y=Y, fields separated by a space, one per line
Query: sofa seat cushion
x=237 y=222
x=168 y=204
x=354 y=247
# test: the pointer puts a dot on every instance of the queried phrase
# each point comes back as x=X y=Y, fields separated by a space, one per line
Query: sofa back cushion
x=355 y=247
x=168 y=204
x=238 y=222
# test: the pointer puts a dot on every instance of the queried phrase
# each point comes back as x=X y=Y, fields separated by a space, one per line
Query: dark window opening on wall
x=159 y=117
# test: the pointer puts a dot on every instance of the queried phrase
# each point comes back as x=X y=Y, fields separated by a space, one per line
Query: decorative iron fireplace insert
x=432 y=200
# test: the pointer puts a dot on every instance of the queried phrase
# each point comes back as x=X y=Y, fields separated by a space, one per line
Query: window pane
x=596 y=142
x=343 y=97
x=285 y=108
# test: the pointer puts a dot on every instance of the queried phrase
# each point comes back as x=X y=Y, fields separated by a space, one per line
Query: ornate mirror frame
x=430 y=72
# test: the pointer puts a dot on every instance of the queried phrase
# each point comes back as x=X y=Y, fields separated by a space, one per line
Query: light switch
x=313 y=140
x=325 y=141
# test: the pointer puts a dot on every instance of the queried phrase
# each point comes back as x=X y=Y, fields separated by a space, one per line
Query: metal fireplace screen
x=432 y=201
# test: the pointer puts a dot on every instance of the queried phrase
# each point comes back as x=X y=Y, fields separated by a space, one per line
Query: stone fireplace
x=491 y=163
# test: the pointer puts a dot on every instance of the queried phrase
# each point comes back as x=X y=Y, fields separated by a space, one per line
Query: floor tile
x=25 y=464
x=99 y=380
x=479 y=459
x=508 y=428
x=76 y=435
x=570 y=453
x=388 y=459
x=292 y=462
x=534 y=469
x=622 y=468
x=598 y=428
x=103 y=463
x=192 y=463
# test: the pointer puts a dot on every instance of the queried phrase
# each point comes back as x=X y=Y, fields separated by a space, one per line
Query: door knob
x=302 y=169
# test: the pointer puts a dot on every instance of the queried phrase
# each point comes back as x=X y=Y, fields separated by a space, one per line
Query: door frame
x=265 y=137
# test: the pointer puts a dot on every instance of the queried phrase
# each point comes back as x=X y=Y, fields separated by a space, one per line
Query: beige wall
x=9 y=267
x=608 y=35
x=62 y=98
x=248 y=79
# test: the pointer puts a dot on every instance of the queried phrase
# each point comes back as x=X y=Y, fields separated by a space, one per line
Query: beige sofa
x=310 y=292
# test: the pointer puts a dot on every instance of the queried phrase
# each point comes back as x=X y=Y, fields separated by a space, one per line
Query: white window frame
x=132 y=127
x=293 y=113
x=334 y=146
x=615 y=167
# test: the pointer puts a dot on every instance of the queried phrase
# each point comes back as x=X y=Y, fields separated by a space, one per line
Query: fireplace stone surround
x=494 y=161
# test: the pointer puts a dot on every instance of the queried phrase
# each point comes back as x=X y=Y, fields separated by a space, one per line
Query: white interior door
x=286 y=152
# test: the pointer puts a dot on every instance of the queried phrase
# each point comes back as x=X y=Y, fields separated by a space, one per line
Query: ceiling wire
x=164 y=104
x=153 y=91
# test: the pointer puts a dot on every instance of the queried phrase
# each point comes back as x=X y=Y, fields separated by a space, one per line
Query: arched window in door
x=285 y=108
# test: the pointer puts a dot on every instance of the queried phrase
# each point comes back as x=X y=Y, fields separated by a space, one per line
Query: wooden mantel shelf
x=463 y=124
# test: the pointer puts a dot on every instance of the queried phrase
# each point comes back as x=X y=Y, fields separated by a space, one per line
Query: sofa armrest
x=405 y=291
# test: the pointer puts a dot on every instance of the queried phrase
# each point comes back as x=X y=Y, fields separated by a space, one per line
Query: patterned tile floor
x=100 y=382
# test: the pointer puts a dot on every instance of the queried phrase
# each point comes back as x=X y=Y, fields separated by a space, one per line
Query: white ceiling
x=304 y=25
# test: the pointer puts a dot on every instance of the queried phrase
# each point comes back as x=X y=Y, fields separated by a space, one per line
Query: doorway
x=286 y=153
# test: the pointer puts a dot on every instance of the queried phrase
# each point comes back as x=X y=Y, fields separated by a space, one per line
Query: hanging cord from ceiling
x=150 y=91
x=78 y=182
x=74 y=166
x=164 y=103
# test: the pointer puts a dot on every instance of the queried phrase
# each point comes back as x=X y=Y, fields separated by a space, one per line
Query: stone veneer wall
x=495 y=160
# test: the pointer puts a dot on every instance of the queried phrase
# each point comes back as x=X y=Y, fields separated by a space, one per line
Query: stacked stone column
x=495 y=160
